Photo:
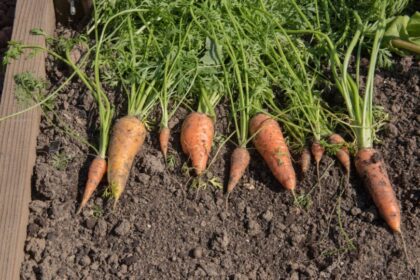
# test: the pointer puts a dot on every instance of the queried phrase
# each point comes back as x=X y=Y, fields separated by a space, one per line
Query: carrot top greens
x=272 y=56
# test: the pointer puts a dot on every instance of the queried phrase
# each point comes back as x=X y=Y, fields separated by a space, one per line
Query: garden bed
x=163 y=228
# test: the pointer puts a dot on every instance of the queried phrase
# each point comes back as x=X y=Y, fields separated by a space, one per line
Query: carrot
x=371 y=168
x=270 y=143
x=97 y=171
x=196 y=139
x=127 y=138
x=239 y=162
x=343 y=153
x=164 y=135
x=317 y=151
x=305 y=160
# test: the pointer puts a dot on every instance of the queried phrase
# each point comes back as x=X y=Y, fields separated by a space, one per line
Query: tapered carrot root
x=164 y=135
x=271 y=145
x=342 y=154
x=196 y=139
x=239 y=162
x=371 y=168
x=305 y=160
x=127 y=138
x=317 y=151
x=96 y=172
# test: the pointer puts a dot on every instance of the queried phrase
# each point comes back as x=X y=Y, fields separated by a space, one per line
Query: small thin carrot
x=270 y=143
x=96 y=172
x=196 y=139
x=239 y=162
x=371 y=168
x=164 y=135
x=305 y=160
x=127 y=138
x=342 y=154
x=317 y=151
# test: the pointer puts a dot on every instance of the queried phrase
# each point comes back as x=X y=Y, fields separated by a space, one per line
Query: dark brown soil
x=165 y=229
x=7 y=14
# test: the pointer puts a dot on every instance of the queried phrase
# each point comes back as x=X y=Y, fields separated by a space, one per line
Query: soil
x=7 y=14
x=163 y=228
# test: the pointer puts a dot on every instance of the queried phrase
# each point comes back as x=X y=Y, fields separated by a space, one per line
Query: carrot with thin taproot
x=317 y=151
x=270 y=143
x=127 y=138
x=238 y=164
x=196 y=139
x=164 y=136
x=342 y=153
x=97 y=170
x=371 y=168
x=305 y=160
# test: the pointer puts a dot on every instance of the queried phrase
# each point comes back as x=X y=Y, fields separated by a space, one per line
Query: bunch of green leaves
x=29 y=89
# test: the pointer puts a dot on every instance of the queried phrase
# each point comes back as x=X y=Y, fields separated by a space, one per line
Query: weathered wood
x=18 y=138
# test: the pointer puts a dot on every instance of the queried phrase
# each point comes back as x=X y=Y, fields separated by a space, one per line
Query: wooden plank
x=18 y=138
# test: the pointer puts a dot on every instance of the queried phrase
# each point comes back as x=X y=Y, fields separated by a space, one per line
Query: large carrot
x=369 y=164
x=239 y=162
x=272 y=146
x=97 y=171
x=127 y=138
x=196 y=139
x=342 y=153
x=371 y=167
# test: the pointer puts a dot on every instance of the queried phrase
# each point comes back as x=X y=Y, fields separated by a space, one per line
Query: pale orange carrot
x=97 y=170
x=371 y=168
x=305 y=160
x=239 y=161
x=196 y=139
x=342 y=154
x=317 y=151
x=127 y=138
x=270 y=143
x=164 y=135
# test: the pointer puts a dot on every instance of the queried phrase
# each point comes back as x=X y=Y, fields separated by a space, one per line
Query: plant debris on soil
x=7 y=15
x=165 y=229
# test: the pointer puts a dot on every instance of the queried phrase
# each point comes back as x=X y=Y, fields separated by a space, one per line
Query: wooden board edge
x=18 y=138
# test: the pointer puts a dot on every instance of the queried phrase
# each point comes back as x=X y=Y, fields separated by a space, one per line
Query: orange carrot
x=270 y=143
x=305 y=160
x=239 y=162
x=164 y=135
x=343 y=153
x=196 y=139
x=97 y=170
x=317 y=151
x=371 y=168
x=127 y=138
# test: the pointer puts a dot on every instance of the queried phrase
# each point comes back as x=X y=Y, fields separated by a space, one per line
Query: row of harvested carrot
x=197 y=133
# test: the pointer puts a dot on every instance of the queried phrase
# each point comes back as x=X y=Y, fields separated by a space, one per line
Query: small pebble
x=85 y=260
x=197 y=252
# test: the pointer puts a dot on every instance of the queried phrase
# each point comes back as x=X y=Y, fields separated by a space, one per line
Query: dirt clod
x=253 y=227
x=35 y=247
x=123 y=228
